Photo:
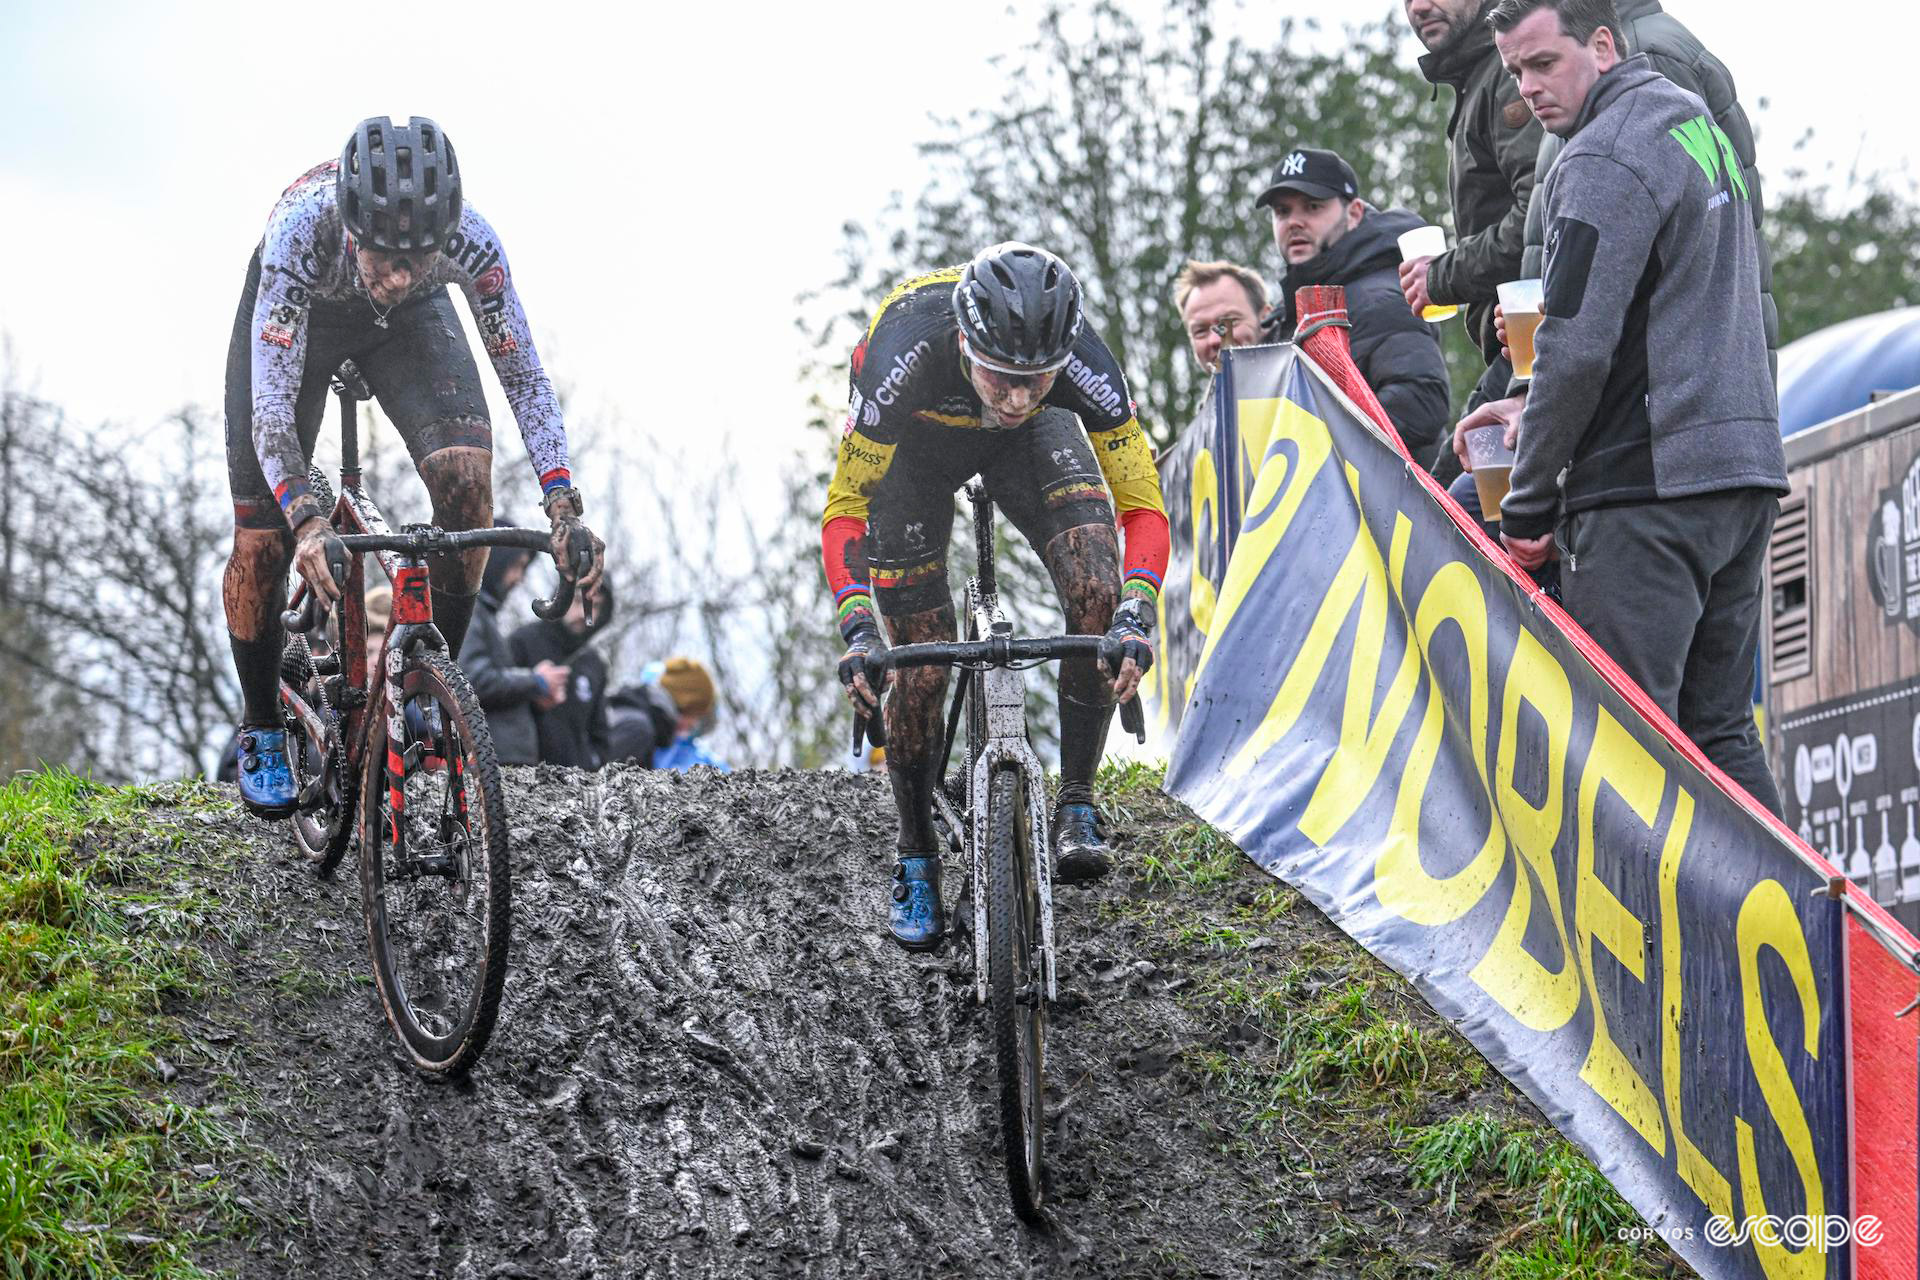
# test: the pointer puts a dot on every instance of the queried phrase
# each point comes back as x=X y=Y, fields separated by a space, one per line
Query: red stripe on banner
x=1884 y=1083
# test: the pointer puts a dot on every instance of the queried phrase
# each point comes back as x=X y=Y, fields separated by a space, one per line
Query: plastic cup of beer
x=1522 y=301
x=1427 y=242
x=1492 y=465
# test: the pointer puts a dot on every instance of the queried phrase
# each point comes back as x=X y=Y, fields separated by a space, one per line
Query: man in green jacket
x=1493 y=147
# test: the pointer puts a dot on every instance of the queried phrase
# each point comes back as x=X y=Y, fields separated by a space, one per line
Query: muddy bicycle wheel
x=323 y=828
x=1016 y=991
x=435 y=887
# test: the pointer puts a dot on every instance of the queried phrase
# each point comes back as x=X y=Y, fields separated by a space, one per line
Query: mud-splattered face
x=389 y=277
x=1009 y=399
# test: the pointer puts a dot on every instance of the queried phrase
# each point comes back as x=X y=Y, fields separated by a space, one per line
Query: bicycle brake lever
x=1133 y=719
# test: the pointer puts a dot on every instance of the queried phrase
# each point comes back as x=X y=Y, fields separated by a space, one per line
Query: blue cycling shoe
x=917 y=918
x=1079 y=854
x=266 y=783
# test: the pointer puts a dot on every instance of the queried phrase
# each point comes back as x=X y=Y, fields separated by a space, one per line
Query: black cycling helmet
x=1018 y=309
x=399 y=185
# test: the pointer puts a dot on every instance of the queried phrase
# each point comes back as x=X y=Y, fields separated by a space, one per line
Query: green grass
x=93 y=1179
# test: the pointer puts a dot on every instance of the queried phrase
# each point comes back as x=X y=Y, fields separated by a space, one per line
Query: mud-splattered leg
x=460 y=482
x=254 y=591
x=914 y=727
x=1085 y=564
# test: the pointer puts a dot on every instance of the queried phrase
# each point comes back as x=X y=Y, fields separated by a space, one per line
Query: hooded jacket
x=506 y=688
x=575 y=731
x=643 y=720
x=1396 y=351
x=1650 y=377
x=1676 y=53
x=1493 y=147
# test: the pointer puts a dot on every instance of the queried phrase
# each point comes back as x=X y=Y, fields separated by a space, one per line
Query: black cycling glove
x=1132 y=624
x=863 y=639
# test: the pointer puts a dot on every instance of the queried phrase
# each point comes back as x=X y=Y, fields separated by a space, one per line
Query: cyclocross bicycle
x=1004 y=832
x=401 y=760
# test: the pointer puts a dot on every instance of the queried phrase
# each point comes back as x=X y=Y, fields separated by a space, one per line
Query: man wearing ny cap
x=1328 y=235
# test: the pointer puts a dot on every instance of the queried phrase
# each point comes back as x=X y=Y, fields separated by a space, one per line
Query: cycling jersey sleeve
x=1093 y=386
x=289 y=272
x=479 y=265
x=892 y=372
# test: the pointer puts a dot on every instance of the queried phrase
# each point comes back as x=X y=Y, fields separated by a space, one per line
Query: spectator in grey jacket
x=1677 y=54
x=508 y=692
x=1328 y=235
x=1650 y=448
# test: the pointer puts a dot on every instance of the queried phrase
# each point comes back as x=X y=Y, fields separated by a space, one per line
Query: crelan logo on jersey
x=1713 y=151
x=903 y=366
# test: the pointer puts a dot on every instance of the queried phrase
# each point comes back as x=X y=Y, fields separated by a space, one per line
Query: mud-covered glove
x=321 y=558
x=863 y=640
x=1131 y=627
x=1129 y=652
x=563 y=508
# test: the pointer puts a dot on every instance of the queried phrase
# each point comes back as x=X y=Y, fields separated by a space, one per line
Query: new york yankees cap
x=1323 y=175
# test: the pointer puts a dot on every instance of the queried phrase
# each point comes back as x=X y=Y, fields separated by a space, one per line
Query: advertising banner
x=1381 y=715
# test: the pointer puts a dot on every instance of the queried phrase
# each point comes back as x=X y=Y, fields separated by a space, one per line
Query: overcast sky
x=666 y=179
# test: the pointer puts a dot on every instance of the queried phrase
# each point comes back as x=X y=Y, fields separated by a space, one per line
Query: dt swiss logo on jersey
x=903 y=366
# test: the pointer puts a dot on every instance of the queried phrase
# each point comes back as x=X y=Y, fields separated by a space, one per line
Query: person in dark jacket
x=1676 y=53
x=508 y=691
x=572 y=732
x=657 y=723
x=1327 y=235
x=1493 y=147
x=1650 y=450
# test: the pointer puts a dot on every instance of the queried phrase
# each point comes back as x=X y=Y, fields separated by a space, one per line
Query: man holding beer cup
x=1649 y=450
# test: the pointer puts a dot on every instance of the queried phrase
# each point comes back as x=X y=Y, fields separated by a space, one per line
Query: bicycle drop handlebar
x=432 y=540
x=994 y=651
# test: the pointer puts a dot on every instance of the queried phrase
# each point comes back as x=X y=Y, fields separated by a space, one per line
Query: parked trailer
x=1842 y=647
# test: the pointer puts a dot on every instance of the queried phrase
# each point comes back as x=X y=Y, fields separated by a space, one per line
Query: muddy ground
x=711 y=1062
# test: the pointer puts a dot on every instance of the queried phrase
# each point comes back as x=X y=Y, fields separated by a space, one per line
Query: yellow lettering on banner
x=1364 y=739
x=1539 y=998
x=1618 y=760
x=1278 y=490
x=1205 y=502
x=1767 y=919
x=1695 y=1169
x=1401 y=881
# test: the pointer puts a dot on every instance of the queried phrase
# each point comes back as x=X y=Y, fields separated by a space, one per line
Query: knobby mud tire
x=481 y=896
x=323 y=832
x=1016 y=993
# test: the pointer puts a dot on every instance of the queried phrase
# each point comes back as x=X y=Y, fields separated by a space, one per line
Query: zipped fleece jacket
x=1650 y=378
x=1493 y=144
x=1677 y=54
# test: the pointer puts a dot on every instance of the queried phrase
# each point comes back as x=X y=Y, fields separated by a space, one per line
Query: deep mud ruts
x=710 y=1062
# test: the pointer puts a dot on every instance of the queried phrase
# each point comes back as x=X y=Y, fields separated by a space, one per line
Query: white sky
x=144 y=144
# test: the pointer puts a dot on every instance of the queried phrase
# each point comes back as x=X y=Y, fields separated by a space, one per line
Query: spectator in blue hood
x=1328 y=235
x=657 y=723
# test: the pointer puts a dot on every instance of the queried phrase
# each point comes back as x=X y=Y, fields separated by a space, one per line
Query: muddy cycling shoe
x=917 y=917
x=1079 y=854
x=266 y=783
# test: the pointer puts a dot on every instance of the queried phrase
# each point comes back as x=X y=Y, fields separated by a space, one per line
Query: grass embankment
x=1327 y=1053
x=98 y=1176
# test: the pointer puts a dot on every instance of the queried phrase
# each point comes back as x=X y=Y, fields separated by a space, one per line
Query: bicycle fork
x=411 y=630
x=1004 y=696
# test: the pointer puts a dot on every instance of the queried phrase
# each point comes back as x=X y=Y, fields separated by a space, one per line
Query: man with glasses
x=990 y=369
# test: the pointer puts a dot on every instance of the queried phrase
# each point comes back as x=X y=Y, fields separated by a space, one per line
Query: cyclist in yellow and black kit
x=990 y=369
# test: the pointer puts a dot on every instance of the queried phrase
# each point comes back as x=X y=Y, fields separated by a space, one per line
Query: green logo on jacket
x=1713 y=151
